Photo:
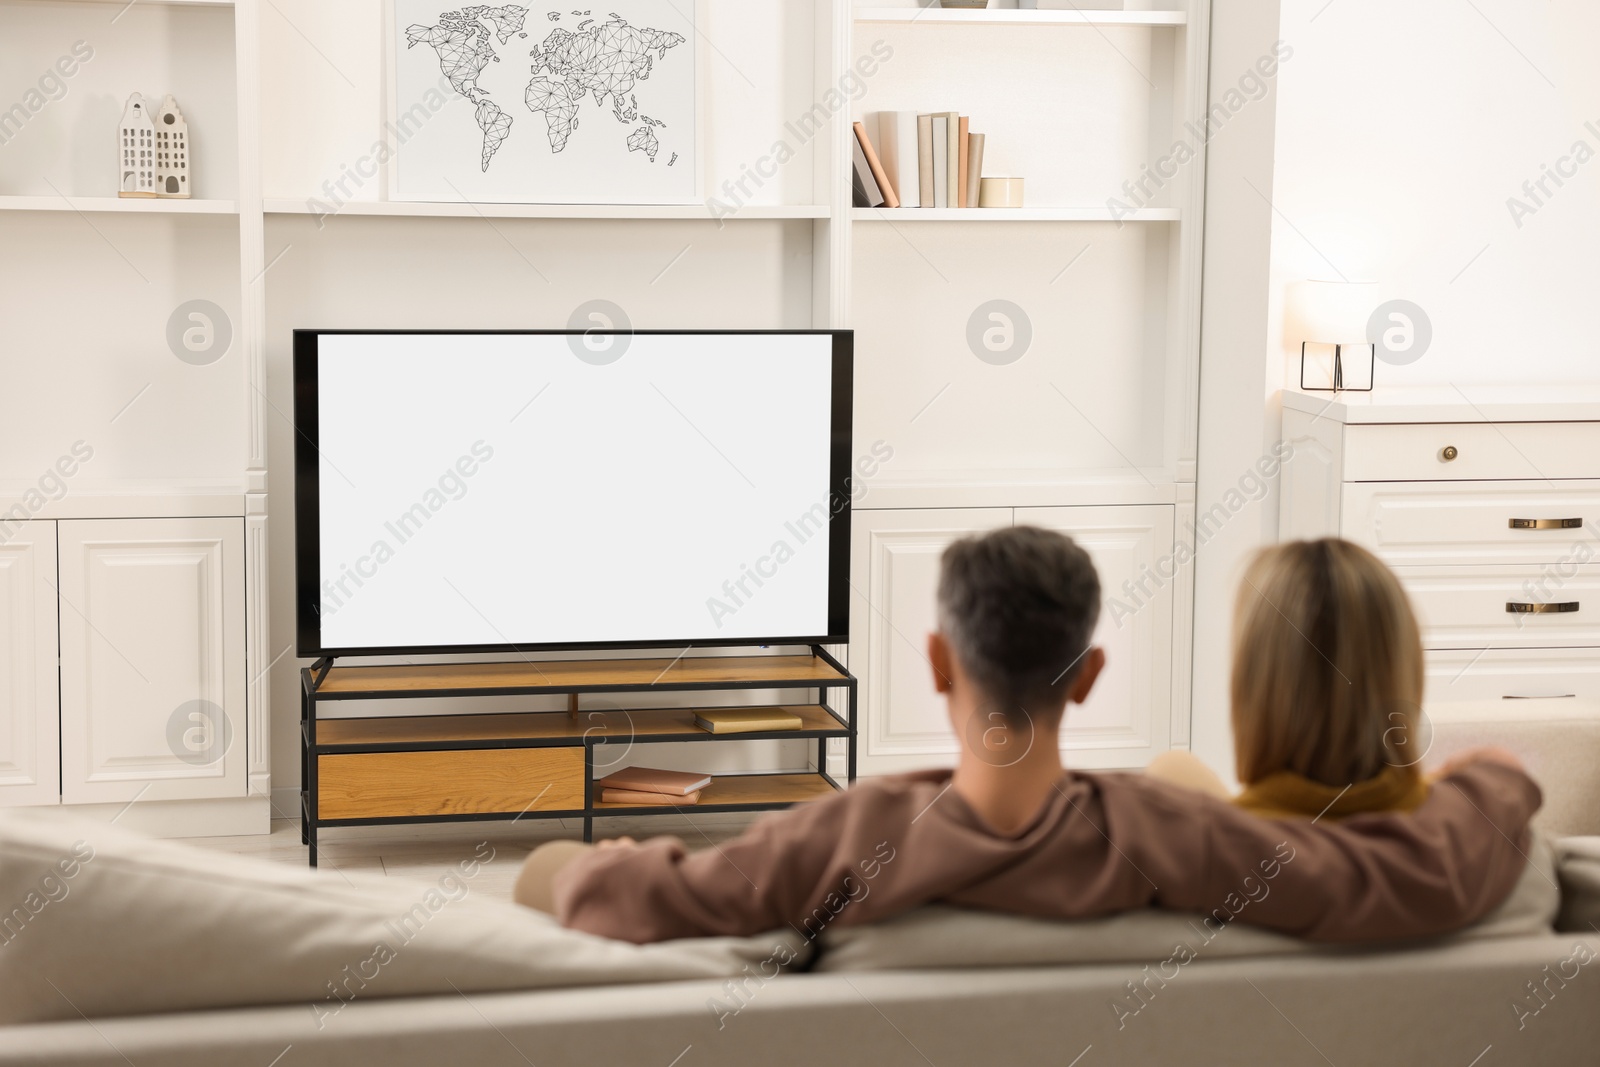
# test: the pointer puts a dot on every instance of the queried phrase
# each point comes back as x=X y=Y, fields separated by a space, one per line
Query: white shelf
x=392 y=208
x=1010 y=17
x=1018 y=488
x=1011 y=214
x=102 y=204
x=156 y=3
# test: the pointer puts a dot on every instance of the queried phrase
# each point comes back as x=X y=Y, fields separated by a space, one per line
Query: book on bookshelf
x=961 y=184
x=863 y=186
x=952 y=169
x=653 y=780
x=941 y=161
x=746 y=720
x=644 y=798
x=899 y=152
x=875 y=165
x=925 y=159
x=974 y=168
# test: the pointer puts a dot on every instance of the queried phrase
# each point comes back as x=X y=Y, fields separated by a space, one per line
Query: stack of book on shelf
x=746 y=720
x=903 y=159
x=648 y=787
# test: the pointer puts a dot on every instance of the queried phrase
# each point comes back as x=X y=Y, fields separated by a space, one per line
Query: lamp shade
x=1330 y=312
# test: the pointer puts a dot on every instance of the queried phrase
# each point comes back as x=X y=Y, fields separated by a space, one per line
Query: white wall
x=1403 y=128
x=1397 y=135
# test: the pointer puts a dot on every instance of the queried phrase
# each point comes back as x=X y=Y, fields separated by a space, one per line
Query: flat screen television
x=498 y=491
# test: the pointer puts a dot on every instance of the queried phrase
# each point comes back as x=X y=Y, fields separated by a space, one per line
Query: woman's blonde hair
x=1327 y=666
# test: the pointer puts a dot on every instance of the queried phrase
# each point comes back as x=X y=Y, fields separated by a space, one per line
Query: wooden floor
x=425 y=852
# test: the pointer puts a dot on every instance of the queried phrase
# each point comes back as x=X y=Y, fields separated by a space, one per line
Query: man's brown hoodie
x=1102 y=843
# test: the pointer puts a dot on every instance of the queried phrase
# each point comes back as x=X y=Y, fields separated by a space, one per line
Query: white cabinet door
x=1128 y=718
x=29 y=720
x=152 y=659
x=895 y=572
x=894 y=568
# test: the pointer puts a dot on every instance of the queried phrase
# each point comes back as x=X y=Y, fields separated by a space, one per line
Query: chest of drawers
x=1486 y=502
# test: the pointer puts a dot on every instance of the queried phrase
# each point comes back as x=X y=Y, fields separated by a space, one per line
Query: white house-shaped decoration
x=137 y=150
x=172 y=151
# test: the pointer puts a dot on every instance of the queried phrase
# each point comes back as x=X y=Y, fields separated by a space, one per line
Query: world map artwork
x=597 y=65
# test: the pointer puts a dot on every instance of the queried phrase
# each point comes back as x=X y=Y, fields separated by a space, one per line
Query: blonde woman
x=1327 y=688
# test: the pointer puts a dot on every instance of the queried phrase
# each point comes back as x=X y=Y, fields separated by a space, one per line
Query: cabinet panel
x=29 y=718
x=152 y=659
x=895 y=564
x=1446 y=451
x=1525 y=681
x=894 y=570
x=1487 y=522
x=1468 y=607
x=1308 y=504
x=1128 y=717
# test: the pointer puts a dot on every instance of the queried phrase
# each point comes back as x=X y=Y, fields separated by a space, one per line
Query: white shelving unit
x=1012 y=214
x=109 y=204
x=1093 y=430
x=177 y=482
x=683 y=212
x=1013 y=17
x=119 y=5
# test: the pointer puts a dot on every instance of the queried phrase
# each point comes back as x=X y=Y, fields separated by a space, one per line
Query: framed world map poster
x=539 y=104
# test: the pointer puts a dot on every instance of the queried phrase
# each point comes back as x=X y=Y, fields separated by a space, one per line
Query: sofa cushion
x=942 y=936
x=1578 y=866
x=99 y=921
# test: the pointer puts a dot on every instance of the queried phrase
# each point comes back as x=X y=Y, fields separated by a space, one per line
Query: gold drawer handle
x=1546 y=524
x=1559 y=608
x=1448 y=453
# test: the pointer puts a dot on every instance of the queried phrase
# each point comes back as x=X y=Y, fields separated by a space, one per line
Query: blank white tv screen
x=537 y=490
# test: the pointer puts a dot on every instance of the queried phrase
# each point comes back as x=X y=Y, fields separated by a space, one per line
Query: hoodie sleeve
x=1373 y=877
x=659 y=890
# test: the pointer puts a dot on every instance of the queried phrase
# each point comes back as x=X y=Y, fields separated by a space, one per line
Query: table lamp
x=1330 y=320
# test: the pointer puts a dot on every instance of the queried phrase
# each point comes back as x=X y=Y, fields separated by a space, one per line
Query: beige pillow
x=942 y=936
x=1578 y=864
x=1534 y=902
x=98 y=920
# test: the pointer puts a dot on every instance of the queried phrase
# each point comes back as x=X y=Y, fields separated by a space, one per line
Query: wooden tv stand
x=515 y=765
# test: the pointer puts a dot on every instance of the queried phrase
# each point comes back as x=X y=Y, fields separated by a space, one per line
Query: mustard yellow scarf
x=1287 y=794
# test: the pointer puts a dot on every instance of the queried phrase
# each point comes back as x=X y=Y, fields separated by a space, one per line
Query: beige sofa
x=1444 y=1005
x=166 y=944
x=153 y=953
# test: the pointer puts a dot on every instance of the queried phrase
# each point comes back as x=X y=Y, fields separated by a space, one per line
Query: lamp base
x=1329 y=369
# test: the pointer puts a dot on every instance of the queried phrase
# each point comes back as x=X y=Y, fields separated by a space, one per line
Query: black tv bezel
x=308 y=577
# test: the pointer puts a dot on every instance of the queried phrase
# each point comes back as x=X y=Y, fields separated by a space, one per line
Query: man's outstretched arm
x=1115 y=842
x=1368 y=878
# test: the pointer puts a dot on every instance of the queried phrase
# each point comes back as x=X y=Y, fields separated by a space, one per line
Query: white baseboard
x=232 y=817
x=286 y=802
